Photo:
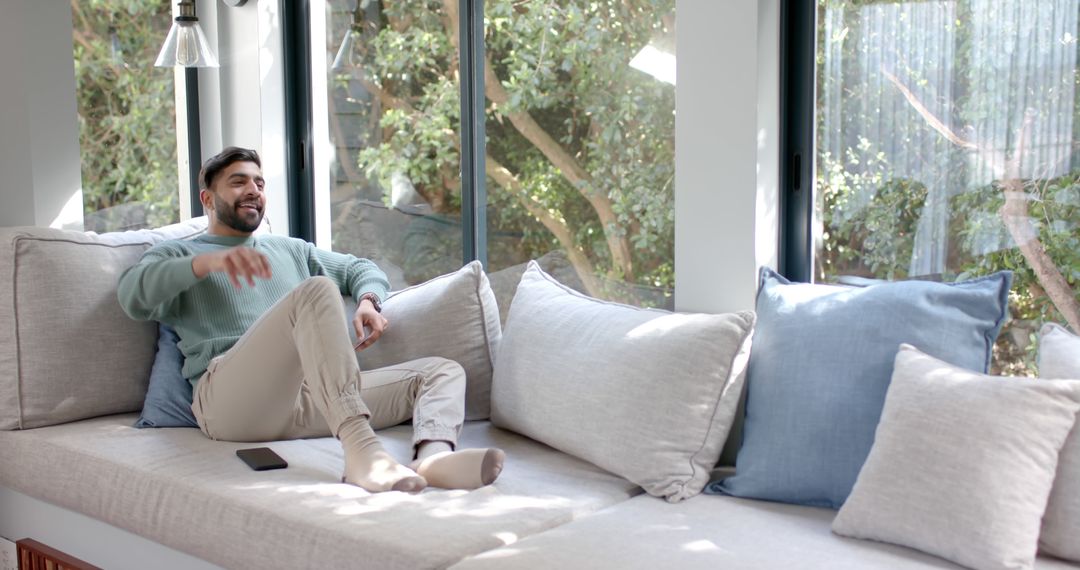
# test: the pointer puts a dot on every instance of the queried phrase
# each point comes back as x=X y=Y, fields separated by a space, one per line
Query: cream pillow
x=453 y=316
x=1059 y=357
x=962 y=463
x=646 y=394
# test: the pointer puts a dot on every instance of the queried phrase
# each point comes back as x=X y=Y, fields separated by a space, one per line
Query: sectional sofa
x=613 y=419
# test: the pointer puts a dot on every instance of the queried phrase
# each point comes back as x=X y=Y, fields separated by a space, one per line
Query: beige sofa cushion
x=453 y=316
x=1059 y=357
x=67 y=350
x=179 y=488
x=708 y=533
x=644 y=393
x=962 y=463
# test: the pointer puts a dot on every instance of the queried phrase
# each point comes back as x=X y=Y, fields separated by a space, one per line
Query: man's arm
x=149 y=288
x=353 y=275
x=239 y=263
x=360 y=278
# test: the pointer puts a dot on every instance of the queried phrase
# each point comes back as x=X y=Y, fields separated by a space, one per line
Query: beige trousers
x=294 y=375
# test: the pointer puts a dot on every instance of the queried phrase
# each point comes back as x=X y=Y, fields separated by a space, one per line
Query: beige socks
x=368 y=465
x=465 y=469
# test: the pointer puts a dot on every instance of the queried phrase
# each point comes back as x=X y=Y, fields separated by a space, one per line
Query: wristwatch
x=374 y=301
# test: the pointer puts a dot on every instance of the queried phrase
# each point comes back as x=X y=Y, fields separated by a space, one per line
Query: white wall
x=725 y=148
x=41 y=181
x=767 y=230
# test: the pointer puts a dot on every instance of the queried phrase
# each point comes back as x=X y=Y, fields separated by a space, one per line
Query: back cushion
x=1059 y=357
x=453 y=316
x=821 y=365
x=646 y=394
x=67 y=350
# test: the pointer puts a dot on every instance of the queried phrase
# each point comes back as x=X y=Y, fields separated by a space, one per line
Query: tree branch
x=618 y=243
x=928 y=116
x=506 y=179
x=1014 y=213
x=571 y=170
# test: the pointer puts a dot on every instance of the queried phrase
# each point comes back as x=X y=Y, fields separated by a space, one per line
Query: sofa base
x=96 y=542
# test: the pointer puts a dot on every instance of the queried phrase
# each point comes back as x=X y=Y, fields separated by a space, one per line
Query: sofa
x=601 y=471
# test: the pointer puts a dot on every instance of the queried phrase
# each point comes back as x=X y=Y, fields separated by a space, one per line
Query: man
x=262 y=330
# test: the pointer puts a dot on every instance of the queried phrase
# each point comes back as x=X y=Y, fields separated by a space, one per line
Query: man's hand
x=367 y=316
x=238 y=262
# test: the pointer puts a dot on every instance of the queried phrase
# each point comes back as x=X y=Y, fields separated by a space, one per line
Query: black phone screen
x=261 y=458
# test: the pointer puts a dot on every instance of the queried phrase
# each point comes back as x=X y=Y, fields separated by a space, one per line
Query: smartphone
x=261 y=458
x=360 y=339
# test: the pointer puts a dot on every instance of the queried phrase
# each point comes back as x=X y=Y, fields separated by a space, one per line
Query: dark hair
x=215 y=164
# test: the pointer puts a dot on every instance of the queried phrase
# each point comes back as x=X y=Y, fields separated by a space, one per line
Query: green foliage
x=566 y=64
x=985 y=246
x=869 y=217
x=869 y=213
x=126 y=111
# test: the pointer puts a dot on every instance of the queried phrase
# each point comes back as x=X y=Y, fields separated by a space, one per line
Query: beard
x=230 y=215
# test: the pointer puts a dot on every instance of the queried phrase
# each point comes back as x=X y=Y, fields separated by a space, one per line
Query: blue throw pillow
x=168 y=398
x=821 y=363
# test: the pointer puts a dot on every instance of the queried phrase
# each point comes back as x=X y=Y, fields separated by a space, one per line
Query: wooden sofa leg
x=36 y=556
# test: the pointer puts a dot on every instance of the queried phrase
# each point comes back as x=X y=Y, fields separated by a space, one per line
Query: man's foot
x=465 y=469
x=369 y=466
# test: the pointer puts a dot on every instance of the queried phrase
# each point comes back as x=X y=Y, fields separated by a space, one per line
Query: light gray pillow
x=962 y=463
x=67 y=350
x=646 y=394
x=1059 y=357
x=453 y=316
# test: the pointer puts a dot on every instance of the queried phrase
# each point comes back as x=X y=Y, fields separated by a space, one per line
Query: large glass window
x=580 y=119
x=393 y=111
x=947 y=148
x=581 y=143
x=127 y=115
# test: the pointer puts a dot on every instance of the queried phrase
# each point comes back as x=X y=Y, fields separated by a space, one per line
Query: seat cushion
x=707 y=532
x=183 y=490
x=67 y=350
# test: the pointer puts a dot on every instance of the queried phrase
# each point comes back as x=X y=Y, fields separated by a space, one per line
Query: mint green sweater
x=209 y=314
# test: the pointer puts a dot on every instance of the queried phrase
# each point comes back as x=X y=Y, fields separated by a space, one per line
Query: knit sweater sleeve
x=354 y=276
x=149 y=289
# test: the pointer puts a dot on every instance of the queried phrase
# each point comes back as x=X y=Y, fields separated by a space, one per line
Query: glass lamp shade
x=186 y=46
x=344 y=58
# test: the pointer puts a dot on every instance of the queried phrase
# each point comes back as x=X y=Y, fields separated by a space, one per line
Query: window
x=126 y=113
x=579 y=120
x=947 y=148
x=393 y=110
x=580 y=155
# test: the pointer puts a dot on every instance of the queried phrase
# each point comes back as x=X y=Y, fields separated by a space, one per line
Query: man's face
x=239 y=200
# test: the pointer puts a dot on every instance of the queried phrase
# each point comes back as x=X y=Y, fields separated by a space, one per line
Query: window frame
x=193 y=137
x=299 y=154
x=473 y=134
x=798 y=33
x=299 y=124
